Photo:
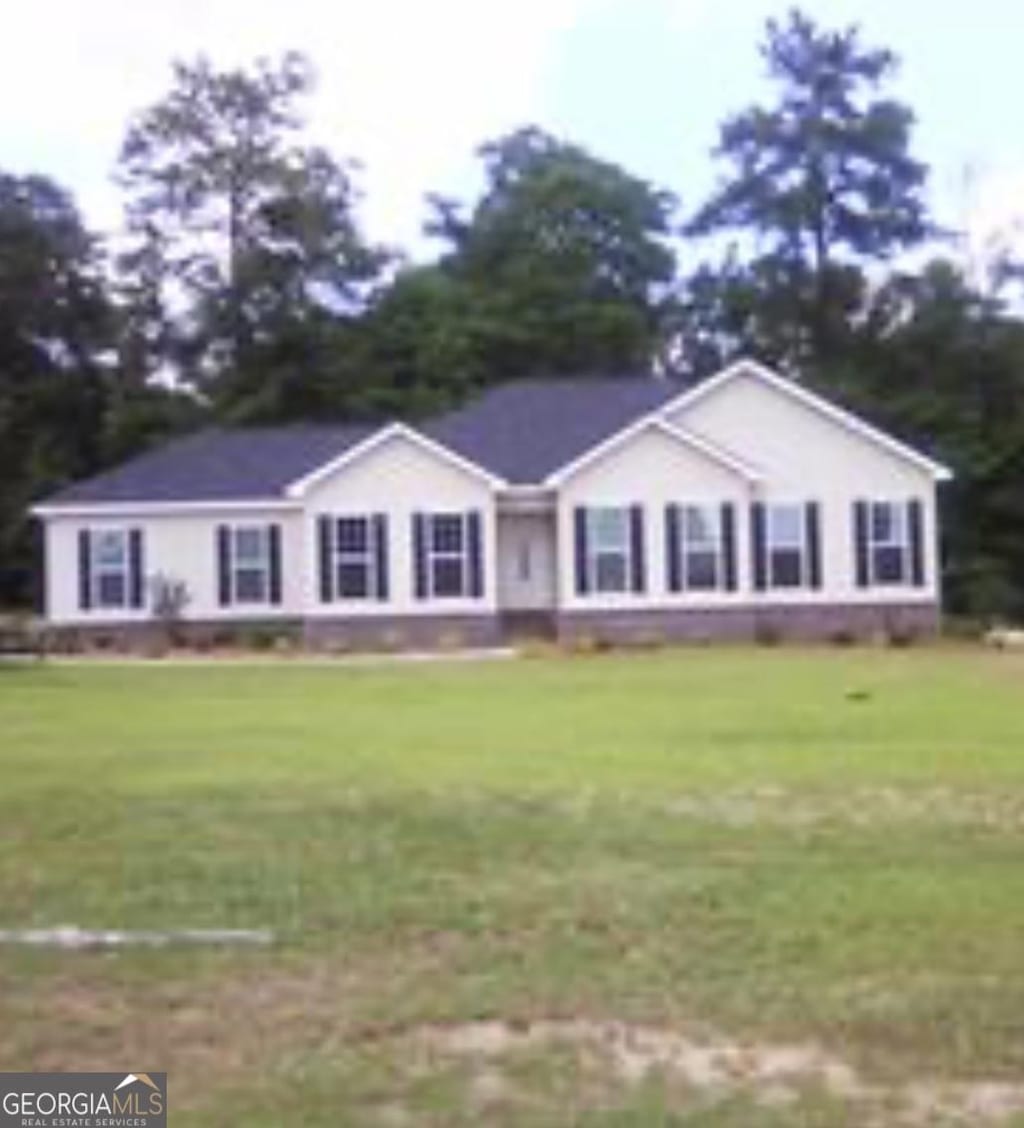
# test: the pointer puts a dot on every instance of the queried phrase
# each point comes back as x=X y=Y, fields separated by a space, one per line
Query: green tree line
x=243 y=289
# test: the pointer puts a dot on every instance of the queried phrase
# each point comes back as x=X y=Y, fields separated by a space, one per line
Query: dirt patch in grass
x=865 y=806
x=225 y=1023
x=771 y=1074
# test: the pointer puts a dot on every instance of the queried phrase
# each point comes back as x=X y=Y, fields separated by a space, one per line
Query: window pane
x=785 y=568
x=111 y=548
x=446 y=532
x=250 y=585
x=610 y=572
x=700 y=525
x=353 y=535
x=447 y=576
x=111 y=589
x=702 y=571
x=786 y=526
x=609 y=528
x=353 y=580
x=250 y=544
x=889 y=565
x=885 y=523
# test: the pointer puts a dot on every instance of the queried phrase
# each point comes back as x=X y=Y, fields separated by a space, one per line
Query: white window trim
x=594 y=551
x=434 y=555
x=802 y=546
x=261 y=565
x=715 y=545
x=906 y=564
x=97 y=569
x=367 y=558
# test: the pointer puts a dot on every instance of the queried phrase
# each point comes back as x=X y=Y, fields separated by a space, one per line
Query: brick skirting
x=648 y=626
x=403 y=632
x=792 y=621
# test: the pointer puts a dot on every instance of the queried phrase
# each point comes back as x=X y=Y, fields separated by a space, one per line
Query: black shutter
x=915 y=524
x=476 y=569
x=274 y=549
x=637 y=555
x=224 y=565
x=419 y=554
x=136 y=569
x=380 y=557
x=582 y=574
x=84 y=570
x=860 y=543
x=325 y=543
x=39 y=530
x=673 y=570
x=813 y=532
x=758 y=547
x=729 y=545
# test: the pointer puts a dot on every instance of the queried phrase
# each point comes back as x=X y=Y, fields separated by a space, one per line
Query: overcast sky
x=410 y=87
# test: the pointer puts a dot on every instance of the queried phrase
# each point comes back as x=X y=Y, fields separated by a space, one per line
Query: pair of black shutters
x=226 y=564
x=326 y=536
x=812 y=545
x=136 y=569
x=637 y=550
x=862 y=541
x=473 y=554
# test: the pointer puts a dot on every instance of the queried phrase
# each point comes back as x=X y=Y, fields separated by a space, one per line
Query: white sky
x=411 y=87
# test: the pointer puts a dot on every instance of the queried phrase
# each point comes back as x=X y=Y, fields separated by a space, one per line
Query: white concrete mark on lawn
x=71 y=938
x=774 y=1074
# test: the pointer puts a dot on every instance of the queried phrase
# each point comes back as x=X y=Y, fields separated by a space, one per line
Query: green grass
x=821 y=848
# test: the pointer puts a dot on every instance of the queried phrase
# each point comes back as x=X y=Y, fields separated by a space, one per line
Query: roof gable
x=301 y=486
x=713 y=452
x=815 y=403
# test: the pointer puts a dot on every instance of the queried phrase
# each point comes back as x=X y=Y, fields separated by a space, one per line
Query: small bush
x=168 y=599
x=260 y=638
x=767 y=633
x=843 y=636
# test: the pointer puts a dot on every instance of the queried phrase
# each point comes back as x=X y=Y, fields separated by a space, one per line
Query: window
x=700 y=547
x=608 y=545
x=786 y=547
x=110 y=567
x=355 y=558
x=250 y=564
x=888 y=543
x=448 y=554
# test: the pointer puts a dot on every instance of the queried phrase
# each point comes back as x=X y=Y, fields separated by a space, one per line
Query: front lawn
x=715 y=887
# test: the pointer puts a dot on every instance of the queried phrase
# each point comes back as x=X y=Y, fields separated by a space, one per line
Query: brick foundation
x=793 y=621
x=403 y=632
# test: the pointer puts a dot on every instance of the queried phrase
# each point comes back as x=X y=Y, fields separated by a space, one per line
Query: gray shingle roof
x=218 y=465
x=525 y=430
x=521 y=431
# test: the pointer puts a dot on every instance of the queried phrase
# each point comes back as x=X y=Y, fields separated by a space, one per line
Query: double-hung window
x=609 y=551
x=786 y=546
x=448 y=554
x=109 y=568
x=355 y=558
x=889 y=543
x=700 y=548
x=250 y=564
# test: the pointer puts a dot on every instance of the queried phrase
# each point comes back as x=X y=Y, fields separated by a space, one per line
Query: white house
x=616 y=508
